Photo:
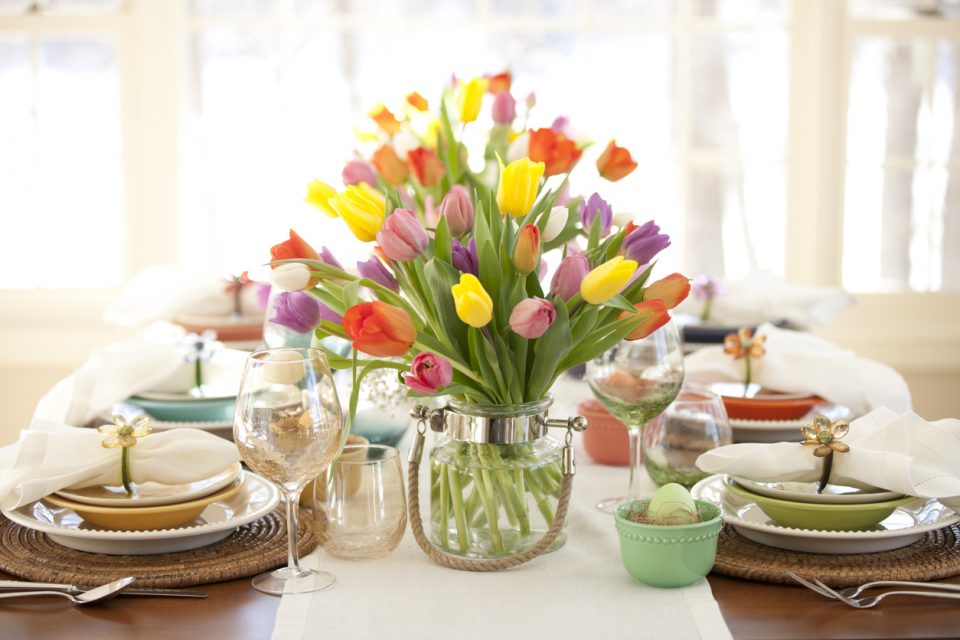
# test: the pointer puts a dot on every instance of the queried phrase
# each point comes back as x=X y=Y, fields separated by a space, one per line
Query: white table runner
x=580 y=590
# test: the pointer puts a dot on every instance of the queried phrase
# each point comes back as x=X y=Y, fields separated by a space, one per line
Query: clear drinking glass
x=288 y=427
x=696 y=422
x=361 y=510
x=635 y=381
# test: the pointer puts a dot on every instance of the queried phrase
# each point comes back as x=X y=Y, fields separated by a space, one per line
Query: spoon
x=98 y=594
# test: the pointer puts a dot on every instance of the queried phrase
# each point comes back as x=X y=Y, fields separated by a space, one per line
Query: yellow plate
x=168 y=516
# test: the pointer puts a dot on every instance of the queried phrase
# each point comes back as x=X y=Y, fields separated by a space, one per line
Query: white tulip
x=555 y=223
x=519 y=148
x=622 y=219
x=292 y=276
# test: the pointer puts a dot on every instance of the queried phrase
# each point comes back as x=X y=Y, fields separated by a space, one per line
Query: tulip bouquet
x=453 y=296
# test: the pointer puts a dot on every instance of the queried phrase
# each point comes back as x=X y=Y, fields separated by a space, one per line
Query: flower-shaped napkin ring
x=124 y=434
x=826 y=436
x=743 y=344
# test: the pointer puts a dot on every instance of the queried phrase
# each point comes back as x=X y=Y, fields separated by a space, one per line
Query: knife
x=9 y=585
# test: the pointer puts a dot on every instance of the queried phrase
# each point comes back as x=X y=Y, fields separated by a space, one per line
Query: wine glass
x=288 y=427
x=635 y=381
x=696 y=422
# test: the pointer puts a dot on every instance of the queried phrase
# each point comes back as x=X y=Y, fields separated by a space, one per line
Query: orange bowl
x=606 y=439
x=769 y=407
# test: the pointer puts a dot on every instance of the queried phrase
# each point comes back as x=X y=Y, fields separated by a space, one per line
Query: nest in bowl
x=676 y=517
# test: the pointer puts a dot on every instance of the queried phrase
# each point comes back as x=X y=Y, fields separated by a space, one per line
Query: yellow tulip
x=607 y=280
x=518 y=186
x=474 y=305
x=319 y=194
x=470 y=97
x=362 y=208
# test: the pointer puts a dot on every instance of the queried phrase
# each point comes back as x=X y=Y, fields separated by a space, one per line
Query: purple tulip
x=465 y=258
x=263 y=295
x=707 y=287
x=532 y=317
x=590 y=209
x=644 y=243
x=374 y=270
x=504 y=108
x=356 y=172
x=327 y=256
x=296 y=310
x=561 y=124
x=402 y=236
x=568 y=276
x=457 y=209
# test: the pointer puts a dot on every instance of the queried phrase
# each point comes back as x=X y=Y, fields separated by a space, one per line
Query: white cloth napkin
x=764 y=297
x=902 y=453
x=52 y=456
x=797 y=362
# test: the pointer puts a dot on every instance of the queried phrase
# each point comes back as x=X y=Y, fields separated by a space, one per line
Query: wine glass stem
x=292 y=499
x=635 y=434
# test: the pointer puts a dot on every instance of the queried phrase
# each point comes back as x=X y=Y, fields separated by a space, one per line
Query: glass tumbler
x=694 y=423
x=361 y=510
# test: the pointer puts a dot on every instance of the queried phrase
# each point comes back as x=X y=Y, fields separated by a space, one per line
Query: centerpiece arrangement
x=454 y=296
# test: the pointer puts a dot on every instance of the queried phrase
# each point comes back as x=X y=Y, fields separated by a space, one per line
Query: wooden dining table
x=234 y=610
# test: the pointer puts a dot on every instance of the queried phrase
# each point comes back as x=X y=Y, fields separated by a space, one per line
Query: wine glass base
x=609 y=505
x=289 y=580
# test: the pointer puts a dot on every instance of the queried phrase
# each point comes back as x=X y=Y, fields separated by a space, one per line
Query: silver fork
x=853 y=592
x=866 y=603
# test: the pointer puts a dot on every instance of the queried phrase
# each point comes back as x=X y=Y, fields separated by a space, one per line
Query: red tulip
x=615 y=162
x=388 y=163
x=429 y=373
x=295 y=247
x=379 y=329
x=555 y=150
x=652 y=314
x=426 y=166
x=499 y=83
x=672 y=290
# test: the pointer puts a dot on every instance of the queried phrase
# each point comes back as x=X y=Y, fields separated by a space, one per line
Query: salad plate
x=256 y=498
x=907 y=524
x=152 y=494
x=807 y=492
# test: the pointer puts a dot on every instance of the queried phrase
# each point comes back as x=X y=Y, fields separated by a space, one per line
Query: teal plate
x=188 y=409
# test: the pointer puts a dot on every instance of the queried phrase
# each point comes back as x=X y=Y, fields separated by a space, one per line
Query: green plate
x=821 y=516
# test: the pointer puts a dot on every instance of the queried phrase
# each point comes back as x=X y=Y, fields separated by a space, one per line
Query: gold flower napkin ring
x=743 y=344
x=124 y=434
x=826 y=436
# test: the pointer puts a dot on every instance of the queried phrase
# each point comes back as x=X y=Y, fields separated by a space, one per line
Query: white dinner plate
x=152 y=494
x=782 y=430
x=807 y=492
x=903 y=527
x=256 y=498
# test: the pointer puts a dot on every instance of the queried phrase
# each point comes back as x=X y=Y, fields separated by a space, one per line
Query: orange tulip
x=391 y=167
x=383 y=117
x=526 y=253
x=379 y=329
x=615 y=162
x=672 y=290
x=295 y=247
x=555 y=150
x=426 y=166
x=499 y=83
x=417 y=101
x=652 y=315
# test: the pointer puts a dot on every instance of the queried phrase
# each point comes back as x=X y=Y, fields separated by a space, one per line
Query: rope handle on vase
x=452 y=561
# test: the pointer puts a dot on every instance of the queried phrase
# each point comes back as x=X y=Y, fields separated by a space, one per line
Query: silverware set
x=82 y=595
x=849 y=595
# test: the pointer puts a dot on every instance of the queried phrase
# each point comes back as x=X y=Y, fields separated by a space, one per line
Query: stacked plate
x=156 y=518
x=839 y=521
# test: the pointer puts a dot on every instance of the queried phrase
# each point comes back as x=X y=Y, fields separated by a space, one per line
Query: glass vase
x=492 y=499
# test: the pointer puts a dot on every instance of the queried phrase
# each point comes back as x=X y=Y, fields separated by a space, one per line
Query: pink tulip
x=532 y=317
x=356 y=172
x=568 y=276
x=458 y=211
x=504 y=108
x=429 y=373
x=402 y=236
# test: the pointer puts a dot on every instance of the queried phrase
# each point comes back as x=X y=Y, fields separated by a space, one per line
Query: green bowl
x=669 y=556
x=819 y=515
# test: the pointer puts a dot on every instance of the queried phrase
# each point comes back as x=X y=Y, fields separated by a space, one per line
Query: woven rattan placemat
x=253 y=548
x=933 y=557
